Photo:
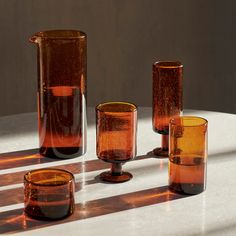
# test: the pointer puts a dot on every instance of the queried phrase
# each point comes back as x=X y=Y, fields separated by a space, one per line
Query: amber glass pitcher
x=61 y=92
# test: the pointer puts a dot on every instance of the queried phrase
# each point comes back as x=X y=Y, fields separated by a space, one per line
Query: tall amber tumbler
x=116 y=137
x=188 y=155
x=167 y=99
x=61 y=92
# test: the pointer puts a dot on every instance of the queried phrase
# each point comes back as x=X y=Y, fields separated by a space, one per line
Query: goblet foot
x=108 y=176
x=161 y=152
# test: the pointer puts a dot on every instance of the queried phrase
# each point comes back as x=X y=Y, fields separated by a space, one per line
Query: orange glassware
x=61 y=92
x=49 y=194
x=188 y=155
x=116 y=137
x=167 y=99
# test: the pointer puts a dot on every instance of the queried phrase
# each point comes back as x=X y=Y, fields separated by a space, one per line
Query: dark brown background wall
x=124 y=38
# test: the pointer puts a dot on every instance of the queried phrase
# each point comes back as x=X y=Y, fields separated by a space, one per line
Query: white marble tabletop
x=142 y=206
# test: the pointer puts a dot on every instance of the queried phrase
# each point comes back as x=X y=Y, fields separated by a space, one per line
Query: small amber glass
x=167 y=99
x=188 y=155
x=49 y=194
x=116 y=137
x=61 y=92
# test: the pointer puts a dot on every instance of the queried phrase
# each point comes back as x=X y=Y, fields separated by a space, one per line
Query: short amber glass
x=61 y=92
x=188 y=155
x=116 y=137
x=49 y=194
x=167 y=99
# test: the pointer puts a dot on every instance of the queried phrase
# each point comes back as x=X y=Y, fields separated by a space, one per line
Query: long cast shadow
x=213 y=156
x=222 y=155
x=75 y=168
x=25 y=158
x=16 y=221
x=22 y=158
x=16 y=194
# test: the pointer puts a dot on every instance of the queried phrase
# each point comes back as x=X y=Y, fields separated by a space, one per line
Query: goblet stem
x=116 y=169
x=165 y=142
x=163 y=150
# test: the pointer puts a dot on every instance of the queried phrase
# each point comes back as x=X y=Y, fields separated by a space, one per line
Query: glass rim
x=72 y=179
x=100 y=105
x=204 y=121
x=58 y=34
x=168 y=64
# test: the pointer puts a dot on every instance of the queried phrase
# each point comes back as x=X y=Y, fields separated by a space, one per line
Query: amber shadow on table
x=167 y=99
x=22 y=158
x=16 y=221
x=188 y=154
x=116 y=132
x=16 y=195
x=75 y=168
x=30 y=157
x=49 y=194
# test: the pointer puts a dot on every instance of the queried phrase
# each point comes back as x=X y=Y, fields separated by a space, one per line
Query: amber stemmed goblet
x=188 y=154
x=167 y=99
x=116 y=137
x=49 y=194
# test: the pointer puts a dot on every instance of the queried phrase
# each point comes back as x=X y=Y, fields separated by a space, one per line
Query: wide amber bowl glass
x=49 y=194
x=116 y=137
x=188 y=154
x=167 y=99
